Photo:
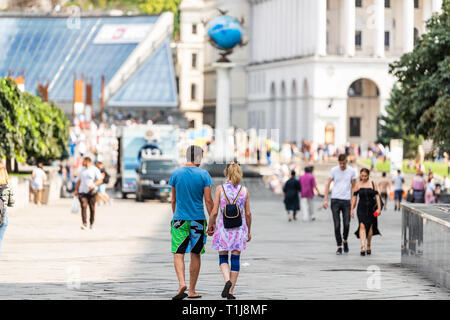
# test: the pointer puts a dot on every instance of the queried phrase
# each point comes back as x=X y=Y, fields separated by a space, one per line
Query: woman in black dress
x=291 y=199
x=369 y=208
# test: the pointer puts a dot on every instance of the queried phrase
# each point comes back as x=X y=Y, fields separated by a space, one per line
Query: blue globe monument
x=224 y=34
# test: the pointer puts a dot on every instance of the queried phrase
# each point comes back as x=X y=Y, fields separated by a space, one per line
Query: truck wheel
x=139 y=198
x=124 y=195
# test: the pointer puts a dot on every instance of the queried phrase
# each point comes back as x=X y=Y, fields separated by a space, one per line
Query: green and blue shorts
x=188 y=236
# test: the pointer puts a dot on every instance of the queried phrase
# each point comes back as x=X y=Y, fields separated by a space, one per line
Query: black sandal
x=363 y=253
x=369 y=251
x=226 y=289
x=231 y=297
x=181 y=295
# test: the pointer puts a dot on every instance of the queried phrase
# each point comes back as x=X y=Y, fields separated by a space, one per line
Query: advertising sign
x=122 y=33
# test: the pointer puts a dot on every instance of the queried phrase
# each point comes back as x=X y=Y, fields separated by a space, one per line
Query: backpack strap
x=225 y=194
x=237 y=196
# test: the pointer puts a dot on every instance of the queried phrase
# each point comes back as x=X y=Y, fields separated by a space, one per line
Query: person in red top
x=308 y=184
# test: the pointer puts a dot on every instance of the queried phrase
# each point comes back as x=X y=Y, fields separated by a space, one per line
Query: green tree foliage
x=394 y=127
x=422 y=99
x=29 y=127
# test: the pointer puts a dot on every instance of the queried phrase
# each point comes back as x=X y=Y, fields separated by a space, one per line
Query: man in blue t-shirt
x=190 y=185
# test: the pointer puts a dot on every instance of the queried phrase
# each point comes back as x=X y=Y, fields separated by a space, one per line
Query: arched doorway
x=273 y=108
x=304 y=120
x=283 y=113
x=329 y=134
x=363 y=110
x=293 y=135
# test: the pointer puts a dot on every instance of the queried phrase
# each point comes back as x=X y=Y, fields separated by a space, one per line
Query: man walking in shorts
x=398 y=181
x=344 y=179
x=190 y=184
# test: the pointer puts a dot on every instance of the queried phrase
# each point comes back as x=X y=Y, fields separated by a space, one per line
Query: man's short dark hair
x=383 y=174
x=88 y=159
x=192 y=153
x=293 y=173
x=309 y=169
x=398 y=171
x=342 y=157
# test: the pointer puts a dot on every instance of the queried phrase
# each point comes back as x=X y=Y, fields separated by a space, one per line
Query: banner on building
x=122 y=33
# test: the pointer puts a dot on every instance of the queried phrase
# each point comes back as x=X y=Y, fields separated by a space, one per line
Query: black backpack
x=231 y=214
x=106 y=178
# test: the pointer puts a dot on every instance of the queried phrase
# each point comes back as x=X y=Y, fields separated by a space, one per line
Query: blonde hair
x=3 y=175
x=233 y=172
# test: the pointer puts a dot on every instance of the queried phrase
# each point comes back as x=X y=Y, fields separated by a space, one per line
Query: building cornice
x=318 y=59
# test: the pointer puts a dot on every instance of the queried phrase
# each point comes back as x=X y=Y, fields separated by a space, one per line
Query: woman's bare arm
x=215 y=208
x=378 y=199
x=248 y=214
x=214 y=212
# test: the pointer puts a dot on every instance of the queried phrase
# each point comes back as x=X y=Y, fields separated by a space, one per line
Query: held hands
x=211 y=228
x=352 y=213
x=325 y=204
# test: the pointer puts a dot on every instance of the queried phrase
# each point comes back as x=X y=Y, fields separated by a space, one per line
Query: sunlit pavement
x=47 y=256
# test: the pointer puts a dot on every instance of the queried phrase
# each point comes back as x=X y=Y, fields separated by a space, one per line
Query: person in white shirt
x=398 y=181
x=446 y=184
x=86 y=188
x=344 y=179
x=37 y=183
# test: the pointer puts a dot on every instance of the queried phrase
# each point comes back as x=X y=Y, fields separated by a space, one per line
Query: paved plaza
x=47 y=256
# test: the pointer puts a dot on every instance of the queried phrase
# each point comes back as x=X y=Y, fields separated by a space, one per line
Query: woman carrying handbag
x=232 y=231
x=369 y=208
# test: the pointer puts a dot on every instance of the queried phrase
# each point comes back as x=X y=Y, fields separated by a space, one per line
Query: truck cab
x=153 y=178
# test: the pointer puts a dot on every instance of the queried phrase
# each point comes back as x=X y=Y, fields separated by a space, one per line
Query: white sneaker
x=83 y=227
x=92 y=228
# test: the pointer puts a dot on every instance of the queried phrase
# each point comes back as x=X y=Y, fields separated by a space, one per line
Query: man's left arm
x=207 y=194
x=208 y=199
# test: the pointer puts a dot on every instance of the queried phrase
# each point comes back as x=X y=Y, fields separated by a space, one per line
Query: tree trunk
x=8 y=165
x=16 y=166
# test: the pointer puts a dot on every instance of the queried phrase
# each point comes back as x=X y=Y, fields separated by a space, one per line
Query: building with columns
x=316 y=70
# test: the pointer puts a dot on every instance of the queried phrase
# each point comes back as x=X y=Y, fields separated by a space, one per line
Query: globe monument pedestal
x=223 y=93
x=224 y=33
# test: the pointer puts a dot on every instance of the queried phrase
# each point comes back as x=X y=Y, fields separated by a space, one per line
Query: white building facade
x=317 y=70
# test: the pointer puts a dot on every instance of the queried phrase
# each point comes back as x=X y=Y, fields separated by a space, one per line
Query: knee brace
x=235 y=262
x=223 y=258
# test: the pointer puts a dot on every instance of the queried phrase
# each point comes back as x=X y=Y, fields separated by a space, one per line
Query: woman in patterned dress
x=230 y=240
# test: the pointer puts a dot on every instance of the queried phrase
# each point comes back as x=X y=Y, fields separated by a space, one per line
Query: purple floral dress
x=236 y=238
